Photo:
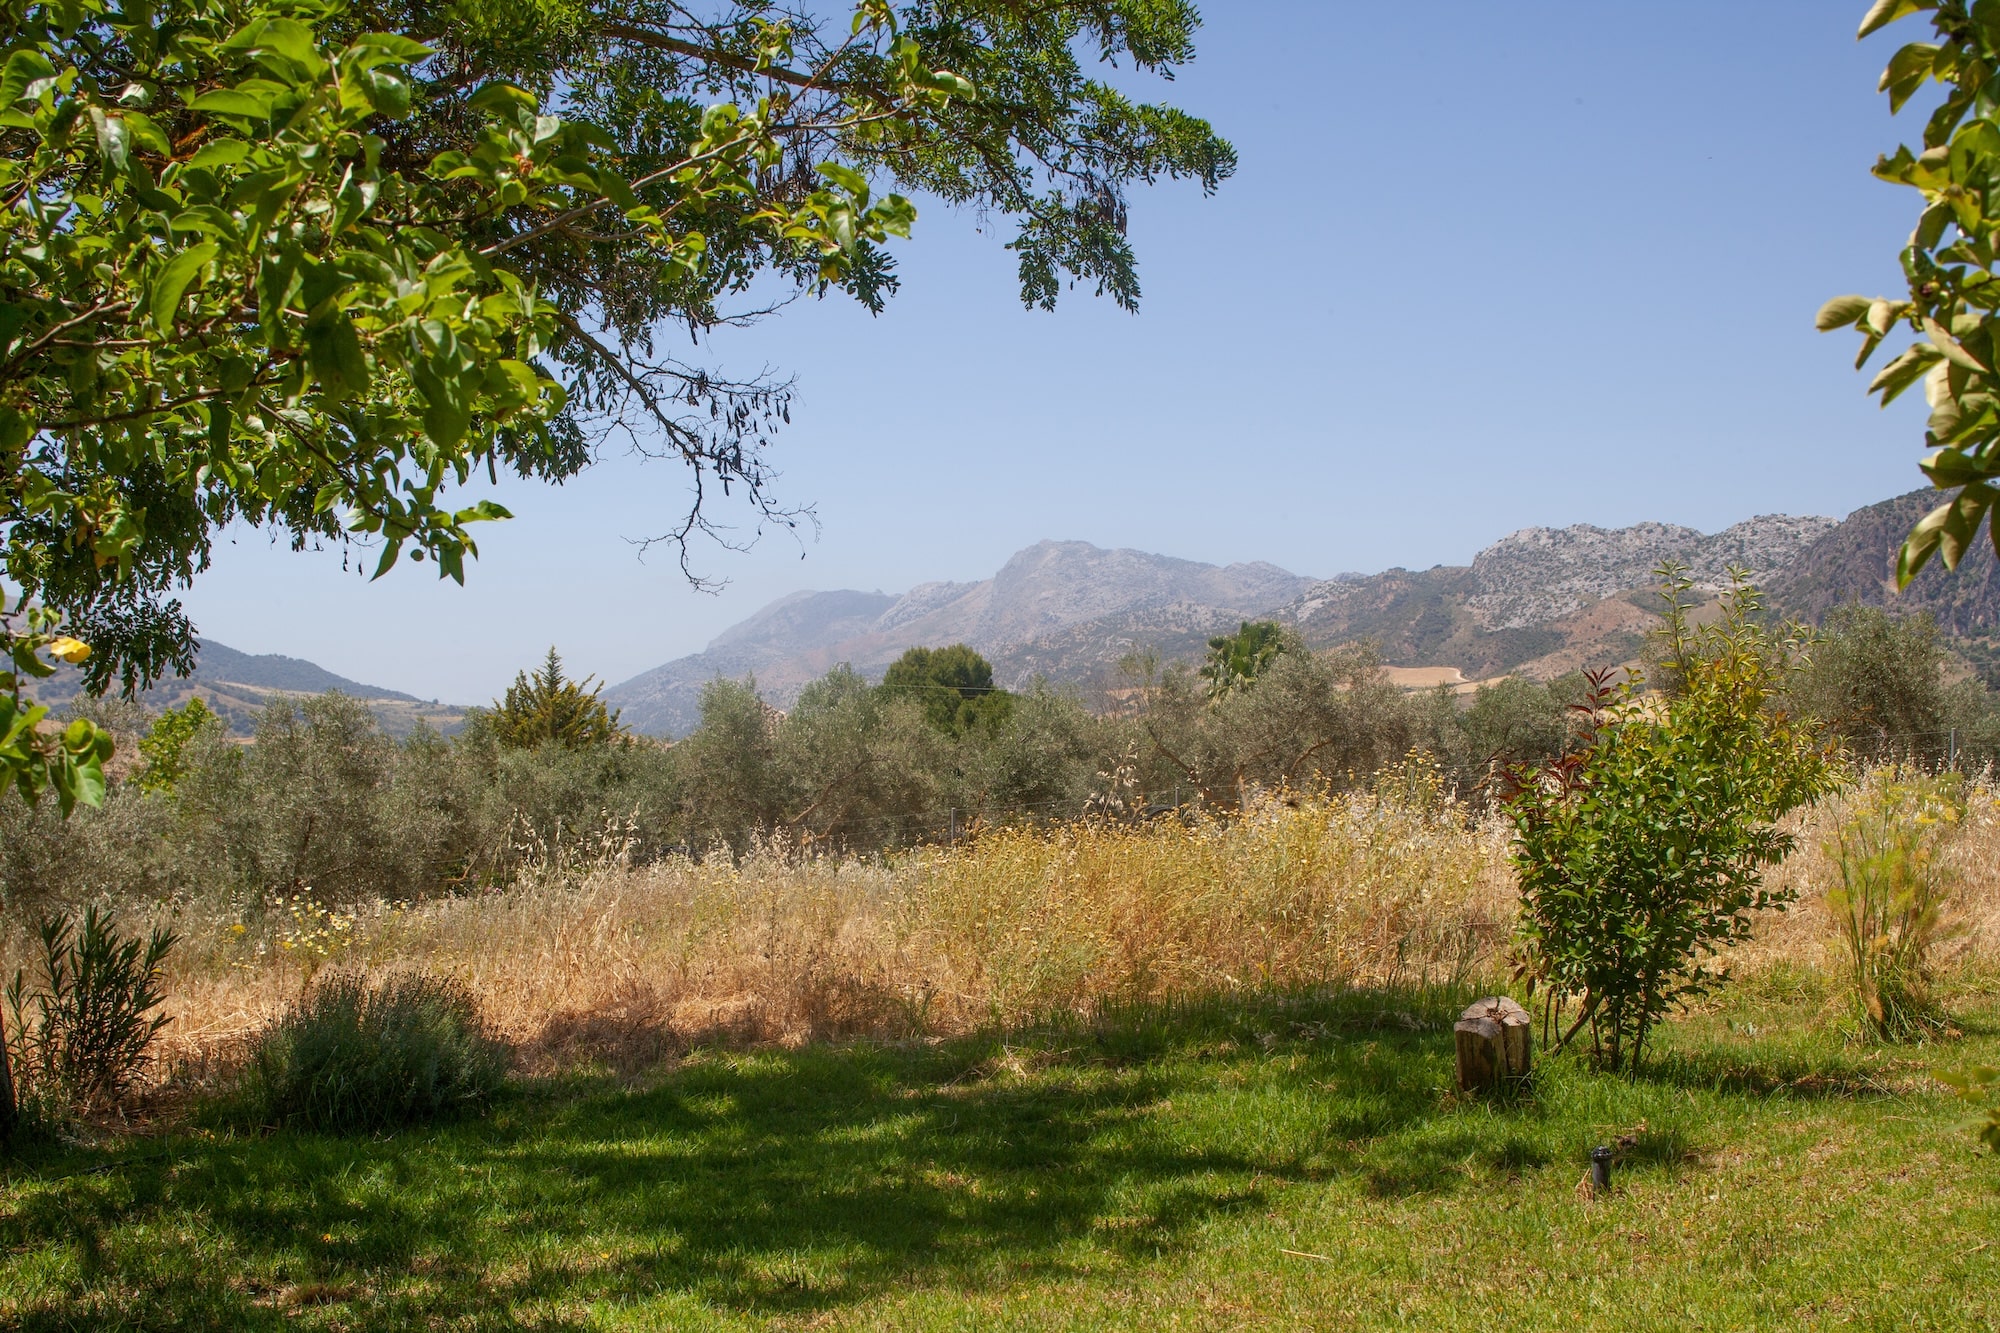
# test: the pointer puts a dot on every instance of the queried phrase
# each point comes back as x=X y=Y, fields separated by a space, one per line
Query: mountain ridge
x=1048 y=589
x=238 y=686
x=1542 y=599
x=1538 y=602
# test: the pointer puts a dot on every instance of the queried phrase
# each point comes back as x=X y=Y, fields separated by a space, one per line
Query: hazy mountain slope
x=1856 y=562
x=270 y=671
x=1541 y=574
x=1542 y=600
x=1026 y=617
x=783 y=646
x=1538 y=602
x=238 y=686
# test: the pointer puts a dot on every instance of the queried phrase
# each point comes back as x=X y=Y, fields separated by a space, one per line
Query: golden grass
x=617 y=963
x=608 y=963
x=1807 y=936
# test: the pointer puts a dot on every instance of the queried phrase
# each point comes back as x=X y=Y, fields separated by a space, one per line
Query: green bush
x=1979 y=1085
x=81 y=1038
x=1642 y=854
x=356 y=1057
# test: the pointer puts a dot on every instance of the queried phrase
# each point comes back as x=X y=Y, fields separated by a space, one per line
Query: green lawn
x=1292 y=1165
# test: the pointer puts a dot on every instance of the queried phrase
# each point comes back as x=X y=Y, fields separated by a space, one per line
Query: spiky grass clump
x=357 y=1057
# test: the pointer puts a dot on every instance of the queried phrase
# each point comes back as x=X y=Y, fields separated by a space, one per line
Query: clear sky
x=1490 y=267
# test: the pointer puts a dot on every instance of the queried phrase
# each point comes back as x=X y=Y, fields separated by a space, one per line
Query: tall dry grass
x=1811 y=937
x=594 y=959
x=589 y=959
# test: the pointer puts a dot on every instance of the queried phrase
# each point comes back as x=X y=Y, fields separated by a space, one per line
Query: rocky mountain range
x=1538 y=602
x=1027 y=618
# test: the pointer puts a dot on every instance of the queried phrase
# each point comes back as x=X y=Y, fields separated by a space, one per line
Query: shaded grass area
x=1282 y=1163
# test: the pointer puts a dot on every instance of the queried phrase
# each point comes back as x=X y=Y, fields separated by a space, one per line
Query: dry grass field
x=591 y=961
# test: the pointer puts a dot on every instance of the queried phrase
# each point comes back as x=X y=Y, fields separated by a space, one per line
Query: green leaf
x=1841 y=312
x=233 y=102
x=846 y=177
x=1907 y=71
x=219 y=415
x=114 y=144
x=483 y=512
x=221 y=153
x=25 y=76
x=173 y=281
x=82 y=784
x=386 y=93
x=288 y=39
x=147 y=134
x=337 y=359
x=391 y=47
x=503 y=97
x=1904 y=371
x=1884 y=12
x=1950 y=348
x=445 y=415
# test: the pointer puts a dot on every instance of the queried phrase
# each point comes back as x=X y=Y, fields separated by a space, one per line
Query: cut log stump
x=1493 y=1040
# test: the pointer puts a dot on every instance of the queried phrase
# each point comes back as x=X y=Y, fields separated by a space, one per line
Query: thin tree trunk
x=1588 y=1015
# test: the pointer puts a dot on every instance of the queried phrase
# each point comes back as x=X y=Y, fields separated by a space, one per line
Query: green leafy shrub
x=953 y=685
x=164 y=747
x=1642 y=853
x=1236 y=660
x=81 y=1039
x=1980 y=1085
x=353 y=1056
x=1895 y=886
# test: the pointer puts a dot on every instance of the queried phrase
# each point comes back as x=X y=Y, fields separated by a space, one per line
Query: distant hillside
x=1537 y=603
x=1541 y=601
x=1856 y=562
x=239 y=685
x=1045 y=595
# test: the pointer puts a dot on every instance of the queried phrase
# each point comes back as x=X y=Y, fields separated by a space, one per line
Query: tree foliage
x=546 y=707
x=1236 y=660
x=1312 y=717
x=1641 y=854
x=1877 y=682
x=316 y=268
x=164 y=747
x=34 y=757
x=1952 y=267
x=953 y=685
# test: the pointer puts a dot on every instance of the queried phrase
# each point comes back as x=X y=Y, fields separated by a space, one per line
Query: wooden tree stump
x=1493 y=1040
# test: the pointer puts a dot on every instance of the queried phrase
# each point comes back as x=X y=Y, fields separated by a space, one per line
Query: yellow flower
x=68 y=649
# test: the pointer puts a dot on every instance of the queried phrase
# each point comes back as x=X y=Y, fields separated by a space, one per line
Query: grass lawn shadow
x=796 y=1182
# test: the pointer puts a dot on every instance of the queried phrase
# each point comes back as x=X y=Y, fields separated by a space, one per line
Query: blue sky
x=1512 y=265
